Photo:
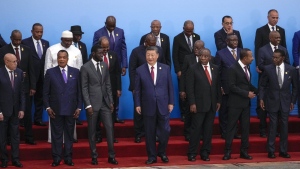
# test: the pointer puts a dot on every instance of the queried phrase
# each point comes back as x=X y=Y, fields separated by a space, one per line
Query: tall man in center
x=154 y=99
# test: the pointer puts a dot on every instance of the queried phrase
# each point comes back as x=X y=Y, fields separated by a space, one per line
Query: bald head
x=110 y=23
x=155 y=27
x=198 y=46
x=150 y=40
x=10 y=61
x=275 y=38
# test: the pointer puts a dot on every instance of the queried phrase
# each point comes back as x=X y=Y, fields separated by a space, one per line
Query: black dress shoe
x=4 y=164
x=8 y=142
x=22 y=125
x=164 y=158
x=263 y=135
x=112 y=161
x=277 y=134
x=245 y=155
x=223 y=136
x=187 y=138
x=117 y=120
x=17 y=164
x=98 y=140
x=94 y=161
x=39 y=123
x=284 y=155
x=271 y=155
x=30 y=142
x=150 y=161
x=116 y=141
x=55 y=163
x=78 y=122
x=237 y=136
x=75 y=141
x=69 y=162
x=183 y=118
x=205 y=158
x=191 y=158
x=226 y=156
x=137 y=140
x=156 y=139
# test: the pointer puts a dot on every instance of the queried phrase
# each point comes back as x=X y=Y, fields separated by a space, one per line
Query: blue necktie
x=111 y=42
x=64 y=75
x=39 y=49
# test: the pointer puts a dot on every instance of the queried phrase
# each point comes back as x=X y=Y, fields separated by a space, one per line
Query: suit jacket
x=224 y=59
x=239 y=87
x=221 y=36
x=63 y=98
x=181 y=49
x=137 y=58
x=199 y=91
x=296 y=48
x=12 y=100
x=164 y=44
x=38 y=62
x=95 y=89
x=149 y=96
x=26 y=64
x=265 y=55
x=189 y=60
x=277 y=98
x=262 y=38
x=2 y=42
x=83 y=50
x=120 y=45
x=114 y=72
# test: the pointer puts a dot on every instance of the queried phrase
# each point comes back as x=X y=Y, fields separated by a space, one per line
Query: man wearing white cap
x=75 y=60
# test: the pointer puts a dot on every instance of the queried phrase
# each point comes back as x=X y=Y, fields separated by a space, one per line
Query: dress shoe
x=94 y=161
x=183 y=118
x=205 y=158
x=164 y=158
x=117 y=120
x=271 y=155
x=98 y=140
x=245 y=155
x=223 y=136
x=4 y=164
x=263 y=135
x=277 y=134
x=112 y=161
x=75 y=141
x=187 y=138
x=116 y=141
x=55 y=163
x=150 y=161
x=156 y=139
x=226 y=156
x=137 y=140
x=191 y=158
x=17 y=164
x=30 y=142
x=8 y=142
x=39 y=123
x=78 y=122
x=69 y=162
x=22 y=125
x=237 y=136
x=284 y=155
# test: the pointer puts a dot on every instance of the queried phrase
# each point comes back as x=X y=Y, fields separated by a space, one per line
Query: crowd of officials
x=62 y=77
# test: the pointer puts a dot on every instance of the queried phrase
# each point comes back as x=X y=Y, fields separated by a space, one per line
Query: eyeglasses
x=228 y=23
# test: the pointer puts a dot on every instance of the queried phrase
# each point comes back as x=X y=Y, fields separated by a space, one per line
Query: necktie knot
x=205 y=67
x=275 y=47
x=16 y=49
x=273 y=28
x=152 y=67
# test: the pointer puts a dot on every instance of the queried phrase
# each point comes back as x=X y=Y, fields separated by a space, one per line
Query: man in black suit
x=240 y=91
x=162 y=40
x=77 y=35
x=204 y=96
x=2 y=42
x=12 y=108
x=278 y=100
x=183 y=45
x=25 y=63
x=38 y=48
x=265 y=58
x=221 y=35
x=189 y=60
x=111 y=59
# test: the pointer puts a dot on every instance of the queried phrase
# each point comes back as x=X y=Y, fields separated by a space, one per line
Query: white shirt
x=75 y=58
x=242 y=65
x=19 y=49
x=281 y=71
x=208 y=68
x=35 y=44
x=154 y=70
x=158 y=42
x=66 y=70
x=270 y=27
x=95 y=64
x=272 y=46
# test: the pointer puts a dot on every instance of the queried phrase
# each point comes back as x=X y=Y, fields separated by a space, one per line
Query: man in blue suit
x=12 y=107
x=116 y=40
x=63 y=102
x=154 y=99
x=296 y=54
x=277 y=98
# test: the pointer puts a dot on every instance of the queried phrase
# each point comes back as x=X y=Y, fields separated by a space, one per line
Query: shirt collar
x=230 y=49
x=241 y=64
x=66 y=68
x=208 y=66
x=95 y=62
x=270 y=27
x=15 y=46
x=34 y=40
x=155 y=66
x=8 y=69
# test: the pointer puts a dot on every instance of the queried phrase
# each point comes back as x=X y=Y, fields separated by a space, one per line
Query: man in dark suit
x=154 y=100
x=25 y=63
x=240 y=91
x=278 y=100
x=224 y=59
x=189 y=60
x=63 y=102
x=138 y=58
x=116 y=40
x=182 y=46
x=111 y=59
x=38 y=48
x=265 y=54
x=98 y=101
x=204 y=96
x=2 y=42
x=12 y=106
x=162 y=40
x=221 y=35
x=296 y=54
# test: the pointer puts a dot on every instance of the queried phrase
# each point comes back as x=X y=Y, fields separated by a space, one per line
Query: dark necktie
x=207 y=74
x=273 y=28
x=233 y=53
x=275 y=48
x=152 y=73
x=12 y=78
x=111 y=42
x=279 y=76
x=98 y=70
x=246 y=73
x=190 y=44
x=106 y=60
x=39 y=49
x=63 y=72
x=18 y=55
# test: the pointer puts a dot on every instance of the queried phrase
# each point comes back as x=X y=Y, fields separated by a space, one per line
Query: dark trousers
x=202 y=121
x=157 y=125
x=187 y=123
x=235 y=114
x=62 y=130
x=38 y=99
x=139 y=129
x=262 y=115
x=298 y=103
x=28 y=118
x=283 y=118
x=10 y=124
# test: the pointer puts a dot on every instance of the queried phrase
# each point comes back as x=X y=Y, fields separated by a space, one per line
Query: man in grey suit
x=98 y=101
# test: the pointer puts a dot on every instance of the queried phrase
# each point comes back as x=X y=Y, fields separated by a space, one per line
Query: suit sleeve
x=96 y=38
x=295 y=88
x=283 y=39
x=220 y=44
x=167 y=54
x=240 y=43
x=85 y=86
x=108 y=86
x=137 y=90
x=31 y=67
x=232 y=81
x=132 y=69
x=296 y=48
x=46 y=90
x=79 y=94
x=219 y=92
x=117 y=72
x=260 y=59
x=22 y=97
x=263 y=83
x=162 y=56
x=190 y=86
x=170 y=87
x=182 y=81
x=257 y=44
x=124 y=52
x=175 y=55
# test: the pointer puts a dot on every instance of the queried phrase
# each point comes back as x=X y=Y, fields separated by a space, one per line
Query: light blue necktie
x=39 y=49
x=64 y=75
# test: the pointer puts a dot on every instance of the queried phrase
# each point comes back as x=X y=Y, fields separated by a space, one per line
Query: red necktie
x=246 y=72
x=106 y=61
x=17 y=55
x=152 y=73
x=207 y=75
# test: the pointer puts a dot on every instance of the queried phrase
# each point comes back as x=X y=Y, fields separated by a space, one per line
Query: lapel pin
x=22 y=49
x=212 y=68
x=110 y=56
x=43 y=45
x=286 y=73
x=80 y=46
x=277 y=29
x=162 y=39
x=193 y=35
x=101 y=66
x=16 y=75
x=70 y=75
x=117 y=35
x=159 y=67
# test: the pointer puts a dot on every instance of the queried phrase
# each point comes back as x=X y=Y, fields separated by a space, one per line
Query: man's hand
x=262 y=105
x=51 y=113
x=123 y=71
x=291 y=106
x=111 y=107
x=1 y=117
x=90 y=111
x=222 y=91
x=218 y=107
x=21 y=114
x=257 y=69
x=31 y=92
x=138 y=110
x=76 y=114
x=119 y=93
x=251 y=95
x=182 y=96
x=193 y=108
x=229 y=30
x=178 y=74
x=170 y=107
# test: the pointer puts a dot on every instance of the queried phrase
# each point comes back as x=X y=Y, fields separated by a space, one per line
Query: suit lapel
x=229 y=56
x=202 y=71
x=270 y=50
x=59 y=77
x=274 y=74
x=213 y=75
x=185 y=42
x=116 y=34
x=243 y=71
x=92 y=66
x=158 y=74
